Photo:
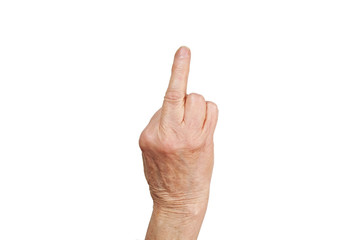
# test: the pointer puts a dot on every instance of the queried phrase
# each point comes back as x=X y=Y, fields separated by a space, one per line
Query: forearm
x=175 y=225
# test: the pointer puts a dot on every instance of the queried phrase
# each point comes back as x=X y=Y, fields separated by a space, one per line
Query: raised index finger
x=175 y=95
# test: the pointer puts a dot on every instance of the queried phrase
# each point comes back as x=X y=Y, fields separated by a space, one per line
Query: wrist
x=181 y=202
x=180 y=222
x=184 y=213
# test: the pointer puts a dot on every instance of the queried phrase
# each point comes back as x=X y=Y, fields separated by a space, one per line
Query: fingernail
x=184 y=52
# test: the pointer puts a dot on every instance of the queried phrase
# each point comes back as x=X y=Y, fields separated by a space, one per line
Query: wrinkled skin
x=177 y=146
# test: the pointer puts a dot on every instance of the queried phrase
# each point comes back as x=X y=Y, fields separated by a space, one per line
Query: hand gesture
x=178 y=150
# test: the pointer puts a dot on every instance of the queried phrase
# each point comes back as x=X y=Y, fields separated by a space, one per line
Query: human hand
x=178 y=154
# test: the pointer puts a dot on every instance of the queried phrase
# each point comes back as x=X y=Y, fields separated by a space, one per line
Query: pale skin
x=178 y=156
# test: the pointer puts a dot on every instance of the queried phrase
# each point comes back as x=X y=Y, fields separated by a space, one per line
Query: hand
x=178 y=155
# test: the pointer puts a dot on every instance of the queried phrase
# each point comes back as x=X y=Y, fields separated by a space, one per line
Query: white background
x=79 y=80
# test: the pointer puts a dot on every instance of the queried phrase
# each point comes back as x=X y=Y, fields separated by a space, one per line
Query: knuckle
x=213 y=106
x=196 y=97
x=181 y=142
x=173 y=95
x=145 y=139
x=178 y=69
x=194 y=144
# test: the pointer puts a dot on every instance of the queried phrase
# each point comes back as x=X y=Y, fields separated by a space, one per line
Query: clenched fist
x=178 y=154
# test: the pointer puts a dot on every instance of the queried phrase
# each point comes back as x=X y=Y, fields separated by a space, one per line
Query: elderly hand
x=178 y=155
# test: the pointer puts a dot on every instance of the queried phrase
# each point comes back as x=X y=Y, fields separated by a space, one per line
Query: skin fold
x=178 y=156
